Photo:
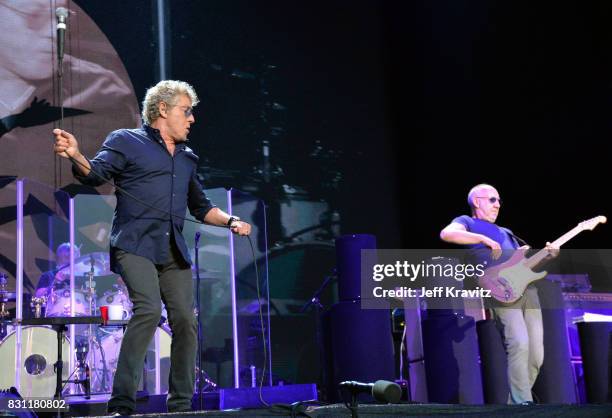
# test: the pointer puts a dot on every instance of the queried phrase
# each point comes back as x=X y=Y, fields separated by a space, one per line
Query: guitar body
x=508 y=281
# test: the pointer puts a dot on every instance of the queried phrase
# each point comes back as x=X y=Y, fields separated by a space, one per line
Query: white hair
x=65 y=246
x=166 y=91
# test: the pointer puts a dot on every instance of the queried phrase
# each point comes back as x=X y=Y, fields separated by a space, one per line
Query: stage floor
x=406 y=410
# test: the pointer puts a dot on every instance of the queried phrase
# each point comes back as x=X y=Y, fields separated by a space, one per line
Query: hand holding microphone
x=238 y=227
x=66 y=144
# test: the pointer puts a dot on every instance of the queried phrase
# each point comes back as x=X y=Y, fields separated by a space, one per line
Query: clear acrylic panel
x=8 y=246
x=252 y=294
x=214 y=268
x=39 y=223
x=93 y=216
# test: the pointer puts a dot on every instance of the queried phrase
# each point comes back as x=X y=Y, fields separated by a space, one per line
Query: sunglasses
x=188 y=110
x=491 y=199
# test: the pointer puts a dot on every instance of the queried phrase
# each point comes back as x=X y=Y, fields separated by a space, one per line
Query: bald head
x=475 y=191
x=485 y=202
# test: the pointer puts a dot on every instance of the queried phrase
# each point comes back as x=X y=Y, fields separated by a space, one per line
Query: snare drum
x=38 y=355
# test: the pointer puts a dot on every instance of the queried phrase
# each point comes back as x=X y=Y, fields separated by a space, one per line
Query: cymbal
x=83 y=264
x=10 y=296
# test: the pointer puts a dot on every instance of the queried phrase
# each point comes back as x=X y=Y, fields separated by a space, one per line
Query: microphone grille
x=385 y=391
x=61 y=12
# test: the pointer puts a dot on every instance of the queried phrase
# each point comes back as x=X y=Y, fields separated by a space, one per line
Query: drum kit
x=96 y=348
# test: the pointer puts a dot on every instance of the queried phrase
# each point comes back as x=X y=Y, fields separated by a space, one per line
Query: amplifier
x=576 y=305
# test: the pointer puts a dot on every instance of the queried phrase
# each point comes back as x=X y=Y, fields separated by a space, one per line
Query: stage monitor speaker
x=361 y=343
x=493 y=362
x=555 y=383
x=450 y=346
x=595 y=346
x=348 y=258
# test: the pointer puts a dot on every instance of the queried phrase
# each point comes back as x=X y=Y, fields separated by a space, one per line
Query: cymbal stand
x=3 y=300
x=3 y=297
x=83 y=349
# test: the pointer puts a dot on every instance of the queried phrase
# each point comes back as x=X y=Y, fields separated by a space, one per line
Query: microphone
x=62 y=16
x=382 y=390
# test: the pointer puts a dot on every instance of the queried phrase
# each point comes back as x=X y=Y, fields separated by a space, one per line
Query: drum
x=38 y=355
x=58 y=303
x=118 y=295
x=104 y=357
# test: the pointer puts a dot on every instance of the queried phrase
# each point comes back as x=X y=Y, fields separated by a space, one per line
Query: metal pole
x=162 y=30
x=233 y=293
x=19 y=283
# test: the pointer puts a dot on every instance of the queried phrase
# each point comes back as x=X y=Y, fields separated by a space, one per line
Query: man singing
x=154 y=165
x=522 y=321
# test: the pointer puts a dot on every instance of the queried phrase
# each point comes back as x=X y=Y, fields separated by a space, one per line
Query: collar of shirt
x=154 y=135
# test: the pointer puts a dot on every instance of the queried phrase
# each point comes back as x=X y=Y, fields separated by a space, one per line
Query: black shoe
x=122 y=411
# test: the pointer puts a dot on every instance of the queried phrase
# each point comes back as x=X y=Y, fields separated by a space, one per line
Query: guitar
x=508 y=281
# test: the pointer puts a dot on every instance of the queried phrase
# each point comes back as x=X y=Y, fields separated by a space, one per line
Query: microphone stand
x=60 y=83
x=198 y=310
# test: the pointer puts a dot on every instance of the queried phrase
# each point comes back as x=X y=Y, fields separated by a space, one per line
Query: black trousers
x=149 y=284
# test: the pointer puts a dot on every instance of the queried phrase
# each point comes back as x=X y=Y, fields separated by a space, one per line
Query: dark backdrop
x=516 y=94
x=412 y=102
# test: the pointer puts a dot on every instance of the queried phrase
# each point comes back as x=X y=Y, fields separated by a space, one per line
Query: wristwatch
x=231 y=220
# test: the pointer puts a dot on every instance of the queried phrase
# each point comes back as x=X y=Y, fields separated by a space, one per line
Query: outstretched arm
x=66 y=145
x=216 y=216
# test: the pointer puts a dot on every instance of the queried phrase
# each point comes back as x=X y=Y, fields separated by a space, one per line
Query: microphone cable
x=137 y=199
x=263 y=327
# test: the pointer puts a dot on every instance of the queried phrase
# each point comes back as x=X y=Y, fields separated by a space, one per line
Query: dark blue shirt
x=480 y=252
x=139 y=162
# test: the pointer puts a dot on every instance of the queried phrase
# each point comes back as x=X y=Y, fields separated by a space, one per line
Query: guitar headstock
x=592 y=223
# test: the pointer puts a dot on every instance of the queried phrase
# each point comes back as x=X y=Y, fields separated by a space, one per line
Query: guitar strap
x=520 y=241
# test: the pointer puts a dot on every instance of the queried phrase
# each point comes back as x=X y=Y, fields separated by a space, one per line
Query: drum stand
x=103 y=359
x=81 y=354
x=58 y=366
x=58 y=324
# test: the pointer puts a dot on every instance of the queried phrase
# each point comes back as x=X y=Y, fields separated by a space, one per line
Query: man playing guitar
x=520 y=321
